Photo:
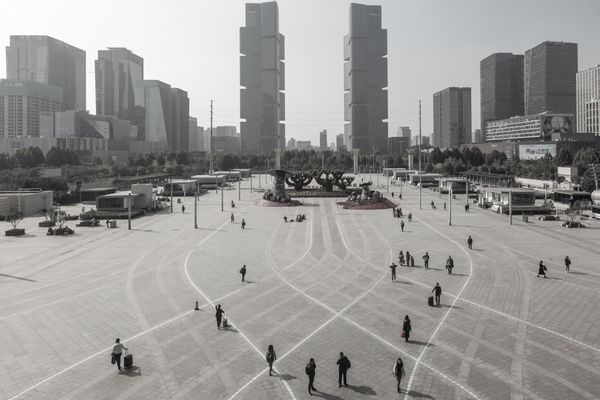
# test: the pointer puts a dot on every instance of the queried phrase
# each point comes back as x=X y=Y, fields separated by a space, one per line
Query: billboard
x=536 y=151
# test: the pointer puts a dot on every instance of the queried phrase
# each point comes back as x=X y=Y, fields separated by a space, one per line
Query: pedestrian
x=409 y=217
x=285 y=219
x=470 y=242
x=243 y=272
x=449 y=265
x=232 y=218
x=432 y=204
x=401 y=258
x=271 y=357
x=311 y=370
x=406 y=328
x=398 y=371
x=219 y=315
x=399 y=211
x=183 y=209
x=426 y=260
x=437 y=290
x=402 y=225
x=392 y=195
x=232 y=204
x=343 y=366
x=117 y=351
x=393 y=268
x=412 y=261
x=542 y=270
x=567 y=264
x=408 y=256
x=466 y=208
x=243 y=223
x=107 y=223
x=444 y=206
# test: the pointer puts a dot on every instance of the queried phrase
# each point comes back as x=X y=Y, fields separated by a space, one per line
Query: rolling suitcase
x=430 y=301
x=225 y=322
x=128 y=360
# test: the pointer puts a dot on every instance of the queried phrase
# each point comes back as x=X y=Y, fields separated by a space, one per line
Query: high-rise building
x=225 y=130
x=291 y=144
x=588 y=100
x=166 y=115
x=262 y=77
x=194 y=138
x=398 y=145
x=365 y=80
x=303 y=145
x=323 y=140
x=452 y=117
x=21 y=103
x=50 y=61
x=119 y=91
x=501 y=81
x=339 y=142
x=550 y=70
x=477 y=137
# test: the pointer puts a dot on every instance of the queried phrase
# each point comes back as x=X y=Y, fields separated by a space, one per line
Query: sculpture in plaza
x=299 y=180
x=325 y=178
x=344 y=181
x=278 y=194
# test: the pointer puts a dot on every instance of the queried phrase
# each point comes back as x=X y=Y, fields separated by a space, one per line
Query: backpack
x=308 y=369
x=269 y=357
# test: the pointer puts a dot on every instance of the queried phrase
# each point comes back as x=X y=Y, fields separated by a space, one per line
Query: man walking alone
x=393 y=268
x=343 y=366
x=437 y=290
x=311 y=370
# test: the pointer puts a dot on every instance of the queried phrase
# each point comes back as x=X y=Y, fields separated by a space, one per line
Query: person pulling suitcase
x=117 y=352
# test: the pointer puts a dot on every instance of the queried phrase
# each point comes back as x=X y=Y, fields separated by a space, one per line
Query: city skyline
x=306 y=75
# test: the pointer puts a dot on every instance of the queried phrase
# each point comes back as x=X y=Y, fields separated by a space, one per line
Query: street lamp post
x=196 y=207
x=510 y=207
x=420 y=191
x=129 y=211
x=450 y=206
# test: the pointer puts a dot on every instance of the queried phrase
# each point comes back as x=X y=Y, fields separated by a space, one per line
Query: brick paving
x=313 y=289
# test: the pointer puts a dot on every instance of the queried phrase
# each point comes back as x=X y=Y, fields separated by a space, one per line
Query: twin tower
x=262 y=77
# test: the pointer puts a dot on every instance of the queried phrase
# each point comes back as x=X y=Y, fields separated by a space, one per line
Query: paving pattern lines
x=51 y=377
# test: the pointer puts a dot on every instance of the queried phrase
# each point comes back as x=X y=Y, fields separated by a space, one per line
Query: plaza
x=313 y=289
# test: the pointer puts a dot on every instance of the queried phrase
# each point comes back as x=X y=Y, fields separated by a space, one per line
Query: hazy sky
x=194 y=45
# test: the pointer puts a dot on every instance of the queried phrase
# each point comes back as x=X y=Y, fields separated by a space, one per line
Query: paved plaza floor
x=313 y=289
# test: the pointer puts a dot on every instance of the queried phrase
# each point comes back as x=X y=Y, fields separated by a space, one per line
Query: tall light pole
x=196 y=206
x=211 y=170
x=129 y=211
x=420 y=190
x=419 y=136
x=450 y=206
x=509 y=207
x=240 y=188
x=222 y=208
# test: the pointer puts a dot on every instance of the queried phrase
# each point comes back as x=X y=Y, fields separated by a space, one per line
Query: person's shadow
x=131 y=372
x=366 y=390
x=326 y=396
x=419 y=395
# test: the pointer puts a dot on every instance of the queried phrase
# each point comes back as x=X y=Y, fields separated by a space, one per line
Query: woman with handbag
x=398 y=372
x=271 y=357
x=406 y=328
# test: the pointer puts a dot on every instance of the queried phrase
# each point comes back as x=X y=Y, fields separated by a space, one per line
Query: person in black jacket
x=406 y=328
x=437 y=290
x=270 y=357
x=219 y=315
x=311 y=370
x=343 y=366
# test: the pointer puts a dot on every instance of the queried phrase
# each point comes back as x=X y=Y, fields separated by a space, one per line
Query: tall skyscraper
x=550 y=70
x=21 y=103
x=501 y=78
x=50 y=61
x=588 y=100
x=119 y=91
x=365 y=80
x=452 y=117
x=262 y=77
x=339 y=142
x=291 y=144
x=323 y=140
x=166 y=115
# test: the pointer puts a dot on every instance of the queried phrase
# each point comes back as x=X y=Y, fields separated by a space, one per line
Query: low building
x=90 y=194
x=523 y=200
x=459 y=185
x=230 y=176
x=181 y=187
x=425 y=180
x=119 y=202
x=209 y=180
x=398 y=145
x=28 y=201
x=537 y=127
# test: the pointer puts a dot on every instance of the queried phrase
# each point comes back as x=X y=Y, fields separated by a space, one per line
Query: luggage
x=430 y=301
x=225 y=322
x=128 y=360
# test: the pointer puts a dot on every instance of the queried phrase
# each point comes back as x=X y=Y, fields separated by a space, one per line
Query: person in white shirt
x=117 y=352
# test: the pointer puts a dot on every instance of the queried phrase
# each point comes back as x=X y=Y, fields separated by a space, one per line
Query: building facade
x=22 y=102
x=339 y=142
x=291 y=144
x=588 y=100
x=119 y=90
x=501 y=82
x=538 y=127
x=303 y=145
x=50 y=61
x=262 y=77
x=452 y=117
x=549 y=85
x=365 y=80
x=323 y=140
x=398 y=145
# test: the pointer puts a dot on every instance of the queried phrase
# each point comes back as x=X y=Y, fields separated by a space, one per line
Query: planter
x=46 y=224
x=14 y=232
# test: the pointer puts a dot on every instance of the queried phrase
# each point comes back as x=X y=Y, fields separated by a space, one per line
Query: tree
x=14 y=218
x=436 y=156
x=477 y=158
x=564 y=158
x=584 y=157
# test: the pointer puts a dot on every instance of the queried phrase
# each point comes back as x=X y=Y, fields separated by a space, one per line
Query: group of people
x=542 y=267
x=299 y=218
x=409 y=260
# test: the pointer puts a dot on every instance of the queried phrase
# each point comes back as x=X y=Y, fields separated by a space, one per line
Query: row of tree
x=34 y=157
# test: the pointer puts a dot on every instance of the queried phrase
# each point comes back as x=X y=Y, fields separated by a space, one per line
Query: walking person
x=243 y=272
x=409 y=217
x=444 y=206
x=117 y=351
x=408 y=256
x=343 y=366
x=426 y=260
x=466 y=208
x=243 y=223
x=393 y=268
x=401 y=258
x=392 y=195
x=470 y=242
x=437 y=290
x=542 y=269
x=406 y=328
x=219 y=315
x=232 y=218
x=402 y=225
x=232 y=204
x=449 y=265
x=183 y=209
x=412 y=261
x=311 y=370
x=567 y=264
x=271 y=357
x=398 y=371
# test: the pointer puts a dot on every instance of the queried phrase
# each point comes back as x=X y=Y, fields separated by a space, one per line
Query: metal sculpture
x=325 y=178
x=299 y=180
x=344 y=182
x=278 y=193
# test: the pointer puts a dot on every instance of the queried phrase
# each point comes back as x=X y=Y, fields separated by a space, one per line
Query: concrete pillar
x=355 y=155
x=410 y=161
x=277 y=158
